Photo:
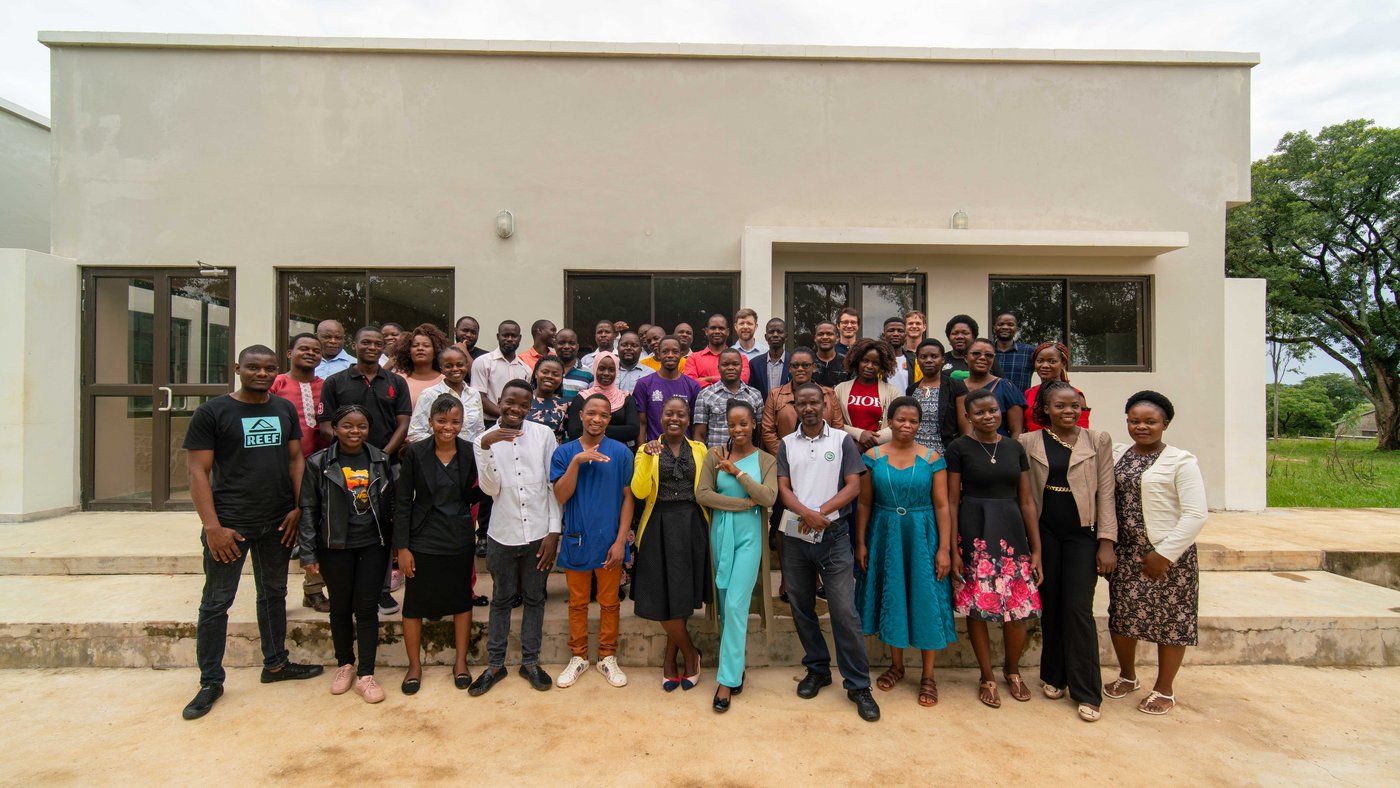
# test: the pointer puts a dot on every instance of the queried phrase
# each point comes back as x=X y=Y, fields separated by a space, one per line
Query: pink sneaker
x=369 y=690
x=343 y=679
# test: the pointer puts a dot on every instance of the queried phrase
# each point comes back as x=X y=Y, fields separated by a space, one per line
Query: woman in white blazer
x=865 y=398
x=1154 y=591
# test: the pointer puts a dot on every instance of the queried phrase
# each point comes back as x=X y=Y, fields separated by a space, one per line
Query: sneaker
x=292 y=672
x=396 y=580
x=317 y=602
x=366 y=688
x=344 y=677
x=571 y=672
x=387 y=604
x=608 y=667
x=203 y=701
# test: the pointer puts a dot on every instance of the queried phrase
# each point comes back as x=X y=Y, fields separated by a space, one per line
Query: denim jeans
x=833 y=560
x=270 y=559
x=353 y=577
x=513 y=571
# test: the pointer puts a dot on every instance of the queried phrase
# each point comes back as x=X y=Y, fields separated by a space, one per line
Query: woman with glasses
x=981 y=355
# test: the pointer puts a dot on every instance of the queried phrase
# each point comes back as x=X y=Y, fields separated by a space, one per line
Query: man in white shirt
x=512 y=460
x=491 y=372
x=746 y=326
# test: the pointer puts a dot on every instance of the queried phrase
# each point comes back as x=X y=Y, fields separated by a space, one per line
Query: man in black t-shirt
x=380 y=392
x=245 y=467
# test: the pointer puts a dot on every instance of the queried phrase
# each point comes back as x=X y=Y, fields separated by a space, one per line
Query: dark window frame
x=855 y=283
x=283 y=313
x=570 y=274
x=1145 y=317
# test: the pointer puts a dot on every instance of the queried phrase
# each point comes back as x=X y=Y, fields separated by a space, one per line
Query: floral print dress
x=1158 y=611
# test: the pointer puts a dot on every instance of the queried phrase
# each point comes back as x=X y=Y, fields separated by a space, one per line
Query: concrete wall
x=37 y=426
x=274 y=155
x=25 y=175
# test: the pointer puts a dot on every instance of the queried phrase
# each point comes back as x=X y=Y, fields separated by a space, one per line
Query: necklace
x=991 y=455
x=1059 y=440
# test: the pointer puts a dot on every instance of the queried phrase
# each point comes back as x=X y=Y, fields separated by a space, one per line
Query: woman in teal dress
x=738 y=483
x=904 y=549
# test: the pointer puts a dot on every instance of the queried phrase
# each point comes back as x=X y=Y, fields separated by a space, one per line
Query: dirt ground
x=1235 y=725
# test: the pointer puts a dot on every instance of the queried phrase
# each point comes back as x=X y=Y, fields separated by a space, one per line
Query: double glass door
x=816 y=297
x=156 y=343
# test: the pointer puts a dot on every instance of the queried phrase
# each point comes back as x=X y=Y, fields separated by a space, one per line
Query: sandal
x=928 y=691
x=987 y=693
x=1053 y=693
x=1018 y=688
x=890 y=678
x=1089 y=713
x=1120 y=687
x=1146 y=706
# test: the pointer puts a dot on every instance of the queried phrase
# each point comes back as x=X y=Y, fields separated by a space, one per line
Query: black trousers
x=1070 y=656
x=354 y=578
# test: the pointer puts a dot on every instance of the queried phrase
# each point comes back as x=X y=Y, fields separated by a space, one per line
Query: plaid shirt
x=1016 y=364
x=712 y=410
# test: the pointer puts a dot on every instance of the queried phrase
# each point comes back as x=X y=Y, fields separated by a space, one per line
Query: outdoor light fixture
x=959 y=221
x=205 y=269
x=505 y=224
x=905 y=277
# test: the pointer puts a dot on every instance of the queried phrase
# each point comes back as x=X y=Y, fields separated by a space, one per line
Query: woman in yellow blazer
x=1071 y=474
x=671 y=578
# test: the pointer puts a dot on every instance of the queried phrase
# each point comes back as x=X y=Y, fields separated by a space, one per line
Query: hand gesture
x=548 y=552
x=591 y=455
x=653 y=447
x=722 y=461
x=289 y=527
x=406 y=564
x=223 y=543
x=498 y=435
x=1155 y=566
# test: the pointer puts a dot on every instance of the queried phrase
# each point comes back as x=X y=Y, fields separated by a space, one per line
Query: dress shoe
x=537 y=677
x=721 y=705
x=486 y=681
x=317 y=602
x=812 y=683
x=866 y=706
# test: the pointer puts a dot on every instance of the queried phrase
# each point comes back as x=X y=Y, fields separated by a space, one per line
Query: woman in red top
x=1050 y=360
x=867 y=395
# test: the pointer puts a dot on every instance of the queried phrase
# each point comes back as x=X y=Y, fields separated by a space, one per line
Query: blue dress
x=898 y=597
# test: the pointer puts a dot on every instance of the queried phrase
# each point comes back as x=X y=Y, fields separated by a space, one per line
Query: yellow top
x=645 y=481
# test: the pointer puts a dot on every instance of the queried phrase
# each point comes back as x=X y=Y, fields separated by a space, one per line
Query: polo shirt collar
x=825 y=433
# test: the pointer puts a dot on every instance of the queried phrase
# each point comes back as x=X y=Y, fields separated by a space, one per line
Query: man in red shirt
x=300 y=386
x=703 y=365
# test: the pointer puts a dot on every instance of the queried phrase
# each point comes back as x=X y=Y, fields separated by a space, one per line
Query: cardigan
x=646 y=484
x=1173 y=500
x=763 y=491
x=888 y=393
x=1090 y=478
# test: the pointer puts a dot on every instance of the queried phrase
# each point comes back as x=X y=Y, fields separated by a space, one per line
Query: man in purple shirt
x=652 y=391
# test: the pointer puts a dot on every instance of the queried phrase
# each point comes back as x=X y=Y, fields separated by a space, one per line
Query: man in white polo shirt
x=819 y=471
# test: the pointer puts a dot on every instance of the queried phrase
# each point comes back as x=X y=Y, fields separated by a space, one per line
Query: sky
x=1321 y=62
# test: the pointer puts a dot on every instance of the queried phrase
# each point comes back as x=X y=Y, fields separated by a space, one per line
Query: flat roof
x=27 y=114
x=1144 y=57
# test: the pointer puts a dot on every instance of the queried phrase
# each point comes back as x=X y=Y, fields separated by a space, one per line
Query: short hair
x=735 y=351
x=445 y=403
x=256 y=350
x=746 y=312
x=965 y=320
x=505 y=323
x=821 y=323
x=905 y=401
x=999 y=315
x=363 y=329
x=466 y=317
x=629 y=331
x=671 y=337
x=714 y=315
x=684 y=400
x=1152 y=398
x=534 y=376
x=915 y=313
x=893 y=319
x=595 y=397
x=603 y=322
x=808 y=386
x=863 y=347
x=977 y=395
x=1040 y=408
x=982 y=341
x=802 y=350
x=930 y=341
x=403 y=357
x=345 y=410
x=846 y=310
x=538 y=325
x=383 y=326
x=451 y=349
x=773 y=320
x=516 y=383
x=291 y=343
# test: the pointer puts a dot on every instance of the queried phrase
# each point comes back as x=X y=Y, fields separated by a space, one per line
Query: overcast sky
x=1323 y=61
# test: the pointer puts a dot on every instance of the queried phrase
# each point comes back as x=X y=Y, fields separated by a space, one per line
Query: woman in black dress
x=434 y=535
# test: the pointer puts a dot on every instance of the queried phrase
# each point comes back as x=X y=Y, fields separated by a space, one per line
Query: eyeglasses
x=980 y=355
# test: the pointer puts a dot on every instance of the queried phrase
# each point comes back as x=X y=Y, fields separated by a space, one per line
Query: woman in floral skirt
x=997 y=566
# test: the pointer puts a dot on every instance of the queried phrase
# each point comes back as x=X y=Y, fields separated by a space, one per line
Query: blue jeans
x=270 y=559
x=833 y=560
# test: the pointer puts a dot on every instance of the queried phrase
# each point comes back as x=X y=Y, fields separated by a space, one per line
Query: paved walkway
x=1235 y=725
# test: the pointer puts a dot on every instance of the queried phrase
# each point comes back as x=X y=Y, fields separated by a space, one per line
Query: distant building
x=25 y=178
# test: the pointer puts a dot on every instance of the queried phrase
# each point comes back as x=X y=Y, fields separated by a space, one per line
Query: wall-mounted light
x=505 y=224
x=206 y=269
x=959 y=221
x=905 y=277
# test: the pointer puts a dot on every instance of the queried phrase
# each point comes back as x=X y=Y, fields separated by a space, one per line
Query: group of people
x=903 y=480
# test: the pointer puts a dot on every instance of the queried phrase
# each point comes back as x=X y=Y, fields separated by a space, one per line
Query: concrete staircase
x=121 y=590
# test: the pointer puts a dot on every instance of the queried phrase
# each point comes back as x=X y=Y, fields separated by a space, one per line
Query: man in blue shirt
x=1013 y=357
x=333 y=356
x=592 y=478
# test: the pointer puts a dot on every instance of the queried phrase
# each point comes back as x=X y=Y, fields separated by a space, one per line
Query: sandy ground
x=1235 y=725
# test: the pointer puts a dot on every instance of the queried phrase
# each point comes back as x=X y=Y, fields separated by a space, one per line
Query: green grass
x=1359 y=476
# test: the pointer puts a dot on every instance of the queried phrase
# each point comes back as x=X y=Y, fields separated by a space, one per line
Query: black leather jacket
x=325 y=501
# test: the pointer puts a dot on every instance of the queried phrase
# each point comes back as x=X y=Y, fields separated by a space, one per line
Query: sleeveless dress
x=898 y=597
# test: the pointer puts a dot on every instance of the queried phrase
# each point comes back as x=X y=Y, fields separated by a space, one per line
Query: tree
x=1282 y=355
x=1322 y=229
x=1340 y=390
x=1303 y=410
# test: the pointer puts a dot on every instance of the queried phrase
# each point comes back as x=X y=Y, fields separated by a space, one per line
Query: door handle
x=169 y=398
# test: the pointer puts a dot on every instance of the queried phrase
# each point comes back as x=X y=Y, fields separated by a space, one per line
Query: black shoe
x=203 y=701
x=387 y=604
x=812 y=683
x=517 y=601
x=411 y=686
x=721 y=705
x=486 y=681
x=866 y=706
x=480 y=600
x=783 y=597
x=736 y=690
x=480 y=547
x=317 y=602
x=462 y=680
x=537 y=677
x=291 y=672
x=821 y=592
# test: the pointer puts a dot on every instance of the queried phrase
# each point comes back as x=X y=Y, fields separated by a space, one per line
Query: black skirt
x=671 y=578
x=441 y=586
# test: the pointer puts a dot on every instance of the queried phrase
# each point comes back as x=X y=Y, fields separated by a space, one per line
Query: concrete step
x=1302 y=618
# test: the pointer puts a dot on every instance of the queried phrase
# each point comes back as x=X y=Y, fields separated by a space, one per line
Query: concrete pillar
x=1245 y=440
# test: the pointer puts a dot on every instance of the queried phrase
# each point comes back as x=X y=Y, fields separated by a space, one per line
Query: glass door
x=816 y=297
x=156 y=343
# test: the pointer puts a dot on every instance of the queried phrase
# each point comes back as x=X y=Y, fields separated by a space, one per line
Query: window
x=813 y=298
x=657 y=298
x=363 y=297
x=1103 y=320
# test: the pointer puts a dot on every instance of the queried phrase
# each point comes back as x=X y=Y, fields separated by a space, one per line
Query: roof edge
x=27 y=114
x=61 y=39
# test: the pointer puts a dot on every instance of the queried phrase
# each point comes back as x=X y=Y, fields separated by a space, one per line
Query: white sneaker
x=571 y=672
x=608 y=667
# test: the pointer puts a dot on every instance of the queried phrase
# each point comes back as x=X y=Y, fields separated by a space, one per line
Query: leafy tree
x=1303 y=410
x=1341 y=390
x=1322 y=229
